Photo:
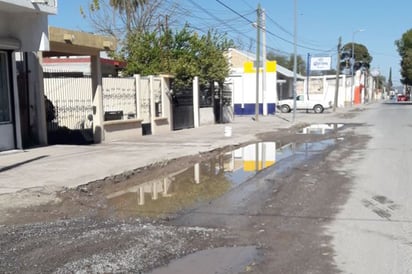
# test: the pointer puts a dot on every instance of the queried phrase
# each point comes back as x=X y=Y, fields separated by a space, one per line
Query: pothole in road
x=207 y=180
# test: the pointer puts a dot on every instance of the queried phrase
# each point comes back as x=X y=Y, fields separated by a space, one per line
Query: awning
x=288 y=73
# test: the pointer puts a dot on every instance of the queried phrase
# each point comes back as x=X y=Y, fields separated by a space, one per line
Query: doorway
x=7 y=126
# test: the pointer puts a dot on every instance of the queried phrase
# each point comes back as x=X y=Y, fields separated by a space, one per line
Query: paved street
x=372 y=232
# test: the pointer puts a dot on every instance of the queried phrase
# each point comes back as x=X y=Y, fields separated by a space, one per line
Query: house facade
x=274 y=84
x=20 y=81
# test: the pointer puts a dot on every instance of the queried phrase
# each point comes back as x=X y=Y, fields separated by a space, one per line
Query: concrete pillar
x=152 y=104
x=196 y=119
x=166 y=100
x=18 y=137
x=39 y=102
x=138 y=90
x=98 y=111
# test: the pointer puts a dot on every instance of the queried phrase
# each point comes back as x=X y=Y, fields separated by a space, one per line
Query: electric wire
x=270 y=32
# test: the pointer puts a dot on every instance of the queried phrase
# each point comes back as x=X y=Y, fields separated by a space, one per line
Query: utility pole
x=257 y=62
x=294 y=59
x=265 y=105
x=307 y=75
x=335 y=103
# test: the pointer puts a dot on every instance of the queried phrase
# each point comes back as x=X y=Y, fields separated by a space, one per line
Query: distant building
x=79 y=66
x=23 y=33
x=242 y=77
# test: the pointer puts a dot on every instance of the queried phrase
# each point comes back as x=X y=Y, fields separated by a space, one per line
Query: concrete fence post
x=98 y=111
x=196 y=119
x=138 y=90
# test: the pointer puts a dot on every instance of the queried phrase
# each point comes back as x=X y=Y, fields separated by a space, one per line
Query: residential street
x=335 y=199
x=372 y=232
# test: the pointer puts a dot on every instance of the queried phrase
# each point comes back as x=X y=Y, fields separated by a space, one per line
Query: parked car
x=402 y=98
x=303 y=103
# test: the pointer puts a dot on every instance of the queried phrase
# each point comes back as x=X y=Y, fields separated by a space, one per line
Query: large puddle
x=207 y=180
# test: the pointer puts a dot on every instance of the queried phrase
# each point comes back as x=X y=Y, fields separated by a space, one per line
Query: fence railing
x=72 y=99
x=119 y=94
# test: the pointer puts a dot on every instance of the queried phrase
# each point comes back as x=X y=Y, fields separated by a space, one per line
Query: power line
x=269 y=32
x=240 y=33
x=278 y=25
x=214 y=16
x=247 y=4
x=289 y=32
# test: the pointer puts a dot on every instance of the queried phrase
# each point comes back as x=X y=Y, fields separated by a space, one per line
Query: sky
x=319 y=24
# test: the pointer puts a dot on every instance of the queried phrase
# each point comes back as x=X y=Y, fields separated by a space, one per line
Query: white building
x=276 y=83
x=23 y=30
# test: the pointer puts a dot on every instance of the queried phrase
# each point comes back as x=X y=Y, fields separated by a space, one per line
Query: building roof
x=82 y=60
x=65 y=42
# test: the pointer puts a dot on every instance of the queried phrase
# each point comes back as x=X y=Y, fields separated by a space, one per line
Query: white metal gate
x=72 y=99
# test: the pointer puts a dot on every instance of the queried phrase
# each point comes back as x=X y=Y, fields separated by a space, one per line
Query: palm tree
x=128 y=7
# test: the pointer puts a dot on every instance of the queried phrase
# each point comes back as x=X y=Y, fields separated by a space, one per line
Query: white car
x=302 y=103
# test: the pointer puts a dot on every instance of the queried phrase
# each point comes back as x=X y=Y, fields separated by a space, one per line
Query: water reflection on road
x=321 y=129
x=206 y=180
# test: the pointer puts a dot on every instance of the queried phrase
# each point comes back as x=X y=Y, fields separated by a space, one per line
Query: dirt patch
x=98 y=246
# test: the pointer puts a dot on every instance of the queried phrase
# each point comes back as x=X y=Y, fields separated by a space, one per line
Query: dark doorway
x=24 y=102
x=183 y=109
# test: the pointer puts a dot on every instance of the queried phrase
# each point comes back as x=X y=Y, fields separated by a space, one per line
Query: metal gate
x=69 y=110
x=183 y=110
x=144 y=105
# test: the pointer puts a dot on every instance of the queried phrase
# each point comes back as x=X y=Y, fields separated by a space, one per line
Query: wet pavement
x=61 y=166
x=235 y=207
x=209 y=179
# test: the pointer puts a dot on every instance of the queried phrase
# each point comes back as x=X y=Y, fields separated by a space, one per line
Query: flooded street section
x=222 y=214
x=208 y=180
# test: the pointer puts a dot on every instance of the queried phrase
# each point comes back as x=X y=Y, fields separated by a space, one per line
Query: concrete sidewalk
x=60 y=166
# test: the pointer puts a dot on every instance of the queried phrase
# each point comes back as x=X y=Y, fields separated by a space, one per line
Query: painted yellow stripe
x=251 y=165
x=270 y=67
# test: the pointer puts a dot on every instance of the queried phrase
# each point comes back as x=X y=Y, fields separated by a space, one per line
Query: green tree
x=389 y=83
x=184 y=54
x=287 y=61
x=362 y=58
x=404 y=46
x=142 y=53
x=280 y=59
